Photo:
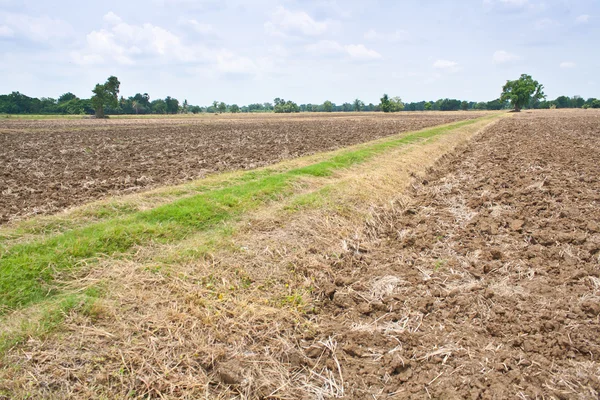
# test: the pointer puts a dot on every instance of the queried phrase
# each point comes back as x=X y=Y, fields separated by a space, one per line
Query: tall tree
x=172 y=105
x=386 y=104
x=358 y=105
x=328 y=106
x=222 y=107
x=105 y=95
x=520 y=92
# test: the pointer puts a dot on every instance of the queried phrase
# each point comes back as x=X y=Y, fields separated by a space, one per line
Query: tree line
x=105 y=101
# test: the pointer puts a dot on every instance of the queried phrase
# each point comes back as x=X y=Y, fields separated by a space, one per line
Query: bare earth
x=487 y=285
x=483 y=282
x=49 y=165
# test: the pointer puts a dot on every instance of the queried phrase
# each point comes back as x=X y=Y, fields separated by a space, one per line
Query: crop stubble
x=49 y=165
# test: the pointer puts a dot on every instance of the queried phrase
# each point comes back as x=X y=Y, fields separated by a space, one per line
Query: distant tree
x=494 y=105
x=234 y=108
x=358 y=105
x=578 y=101
x=222 y=107
x=386 y=104
x=520 y=92
x=562 y=102
x=282 y=106
x=346 y=107
x=172 y=105
x=327 y=106
x=105 y=95
x=397 y=104
x=595 y=104
x=464 y=106
x=428 y=106
x=185 y=107
x=66 y=97
x=158 y=106
x=195 y=109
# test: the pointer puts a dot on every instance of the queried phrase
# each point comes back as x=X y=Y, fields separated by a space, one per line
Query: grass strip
x=30 y=272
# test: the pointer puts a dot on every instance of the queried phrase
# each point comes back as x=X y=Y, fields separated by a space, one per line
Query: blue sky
x=307 y=51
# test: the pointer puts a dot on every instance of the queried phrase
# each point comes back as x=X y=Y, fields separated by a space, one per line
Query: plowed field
x=49 y=165
x=486 y=285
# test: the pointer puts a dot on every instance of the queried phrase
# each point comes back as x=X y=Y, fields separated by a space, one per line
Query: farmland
x=368 y=256
x=49 y=165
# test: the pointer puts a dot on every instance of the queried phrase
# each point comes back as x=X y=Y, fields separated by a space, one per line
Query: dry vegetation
x=48 y=165
x=473 y=276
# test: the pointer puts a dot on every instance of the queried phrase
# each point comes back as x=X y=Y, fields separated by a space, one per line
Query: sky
x=307 y=51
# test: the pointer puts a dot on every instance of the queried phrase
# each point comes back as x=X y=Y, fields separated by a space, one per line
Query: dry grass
x=228 y=323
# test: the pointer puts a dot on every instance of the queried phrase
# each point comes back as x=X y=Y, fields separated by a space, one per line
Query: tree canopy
x=521 y=92
x=105 y=95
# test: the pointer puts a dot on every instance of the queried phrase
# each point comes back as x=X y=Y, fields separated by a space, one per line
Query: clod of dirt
x=591 y=308
x=353 y=350
x=496 y=254
x=517 y=224
x=230 y=373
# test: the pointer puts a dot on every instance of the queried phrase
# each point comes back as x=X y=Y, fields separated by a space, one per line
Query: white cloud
x=445 y=65
x=582 y=19
x=38 y=29
x=198 y=27
x=392 y=37
x=360 y=52
x=112 y=18
x=6 y=32
x=354 y=51
x=229 y=63
x=285 y=22
x=325 y=47
x=123 y=43
x=126 y=44
x=567 y=64
x=504 y=57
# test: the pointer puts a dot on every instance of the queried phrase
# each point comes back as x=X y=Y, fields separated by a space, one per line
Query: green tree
x=105 y=95
x=428 y=106
x=328 y=106
x=396 y=104
x=222 y=107
x=520 y=92
x=595 y=104
x=358 y=105
x=386 y=104
x=172 y=105
x=66 y=97
x=234 y=108
x=159 y=106
x=464 y=106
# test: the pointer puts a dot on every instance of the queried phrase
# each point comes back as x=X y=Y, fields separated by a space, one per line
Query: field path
x=49 y=165
x=462 y=263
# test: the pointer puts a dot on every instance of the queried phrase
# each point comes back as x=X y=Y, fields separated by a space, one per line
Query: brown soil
x=49 y=165
x=481 y=282
x=486 y=285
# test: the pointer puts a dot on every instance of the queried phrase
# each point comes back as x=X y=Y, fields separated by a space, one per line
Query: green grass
x=29 y=271
x=48 y=317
